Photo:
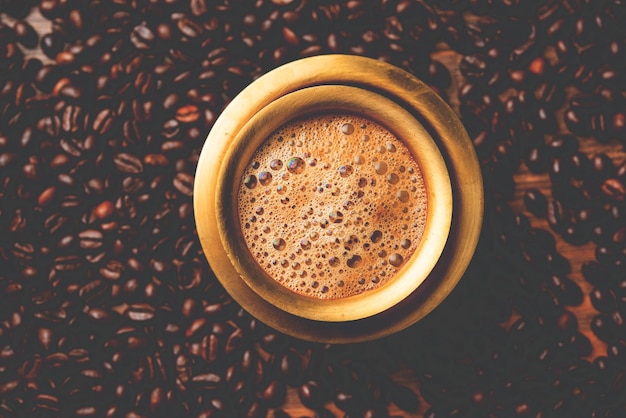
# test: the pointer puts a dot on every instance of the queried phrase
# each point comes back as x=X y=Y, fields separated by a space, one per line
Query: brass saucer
x=384 y=93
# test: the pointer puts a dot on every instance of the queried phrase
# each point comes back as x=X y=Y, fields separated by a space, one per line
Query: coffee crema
x=332 y=205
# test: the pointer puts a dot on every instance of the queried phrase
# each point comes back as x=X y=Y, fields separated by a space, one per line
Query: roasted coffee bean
x=17 y=9
x=25 y=34
x=602 y=166
x=347 y=401
x=603 y=327
x=127 y=163
x=70 y=92
x=104 y=210
x=47 y=196
x=312 y=394
x=555 y=214
x=566 y=290
x=51 y=44
x=187 y=114
x=563 y=146
x=580 y=165
x=142 y=37
x=537 y=160
x=614 y=189
x=404 y=398
x=618 y=319
x=189 y=27
x=616 y=349
x=131 y=133
x=171 y=128
x=575 y=234
x=536 y=202
x=577 y=123
x=603 y=300
x=103 y=121
x=473 y=67
x=90 y=239
x=291 y=367
x=274 y=394
x=183 y=182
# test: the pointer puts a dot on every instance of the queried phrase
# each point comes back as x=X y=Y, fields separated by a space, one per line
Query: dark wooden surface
x=524 y=180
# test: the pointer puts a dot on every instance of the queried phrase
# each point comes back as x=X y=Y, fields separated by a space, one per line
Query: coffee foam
x=331 y=206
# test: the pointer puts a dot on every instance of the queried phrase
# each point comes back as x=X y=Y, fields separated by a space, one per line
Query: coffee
x=332 y=205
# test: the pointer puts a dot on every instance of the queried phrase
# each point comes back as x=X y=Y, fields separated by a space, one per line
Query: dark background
x=107 y=305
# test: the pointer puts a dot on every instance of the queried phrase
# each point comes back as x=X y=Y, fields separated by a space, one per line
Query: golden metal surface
x=227 y=260
x=329 y=99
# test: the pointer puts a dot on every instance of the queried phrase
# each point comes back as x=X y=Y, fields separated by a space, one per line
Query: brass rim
x=415 y=97
x=327 y=99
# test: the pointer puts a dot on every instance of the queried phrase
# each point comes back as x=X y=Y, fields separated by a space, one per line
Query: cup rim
x=322 y=100
x=447 y=131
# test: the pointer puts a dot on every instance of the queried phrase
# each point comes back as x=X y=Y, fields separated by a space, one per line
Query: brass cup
x=406 y=107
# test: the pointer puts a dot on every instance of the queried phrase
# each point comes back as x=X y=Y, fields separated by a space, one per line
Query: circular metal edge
x=447 y=131
x=334 y=98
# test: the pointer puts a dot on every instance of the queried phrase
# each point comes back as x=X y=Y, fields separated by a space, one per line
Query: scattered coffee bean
x=25 y=34
x=536 y=202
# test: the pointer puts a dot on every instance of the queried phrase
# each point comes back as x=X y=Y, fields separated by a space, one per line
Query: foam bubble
x=345 y=170
x=347 y=128
x=276 y=164
x=279 y=244
x=403 y=196
x=265 y=178
x=250 y=182
x=391 y=178
x=296 y=165
x=325 y=212
x=396 y=260
x=354 y=261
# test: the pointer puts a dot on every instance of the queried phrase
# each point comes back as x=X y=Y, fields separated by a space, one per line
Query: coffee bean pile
x=108 y=307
